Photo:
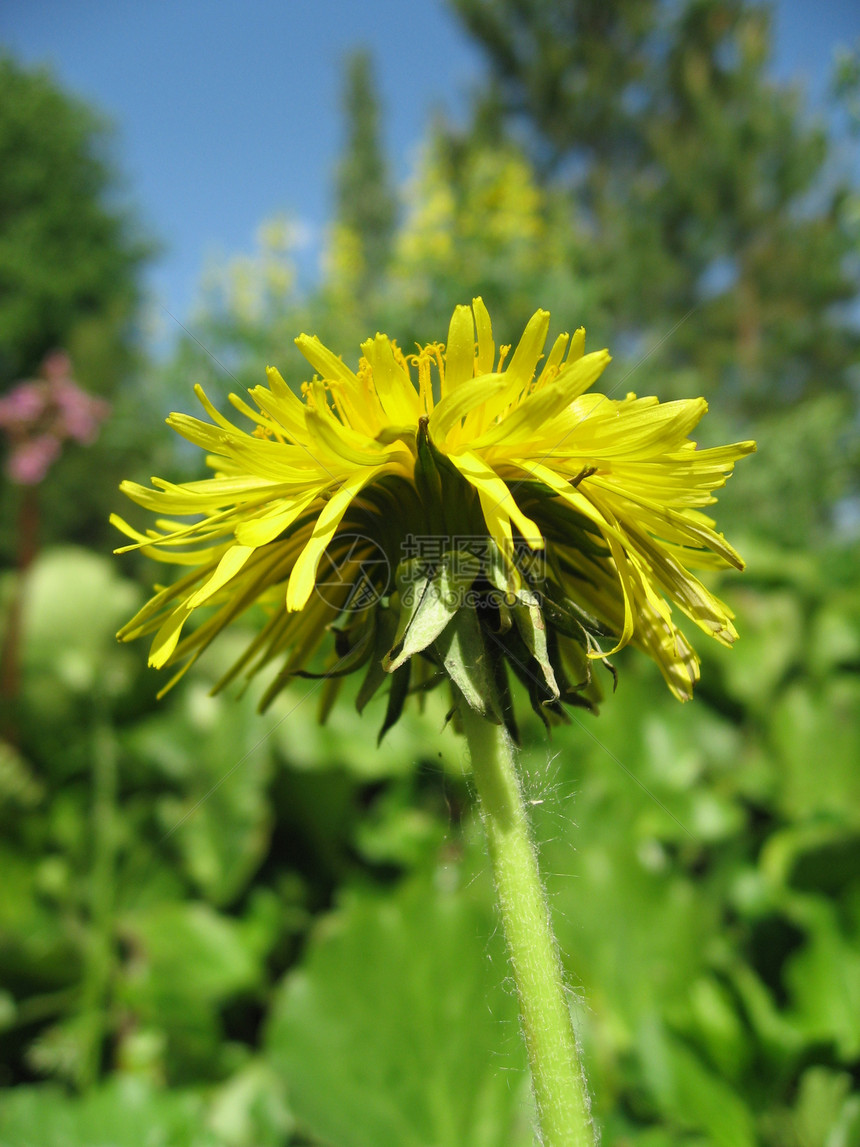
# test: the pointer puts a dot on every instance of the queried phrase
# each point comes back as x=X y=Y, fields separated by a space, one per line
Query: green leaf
x=824 y=979
x=250 y=1109
x=716 y=1022
x=819 y=725
x=188 y=950
x=689 y=1093
x=826 y=1113
x=395 y=830
x=20 y=787
x=74 y=602
x=188 y=961
x=127 y=1112
x=817 y=856
x=773 y=641
x=348 y=739
x=38 y=947
x=220 y=821
x=398 y=1031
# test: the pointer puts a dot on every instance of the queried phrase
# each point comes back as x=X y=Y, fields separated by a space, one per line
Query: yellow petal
x=324 y=360
x=529 y=349
x=303 y=576
x=200 y=433
x=487 y=482
x=227 y=569
x=460 y=350
x=396 y=391
x=553 y=361
x=345 y=444
x=263 y=530
x=214 y=414
x=577 y=345
x=457 y=404
x=165 y=640
x=486 y=355
x=285 y=407
x=530 y=418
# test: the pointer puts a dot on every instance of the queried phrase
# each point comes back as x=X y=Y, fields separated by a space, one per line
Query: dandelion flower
x=456 y=503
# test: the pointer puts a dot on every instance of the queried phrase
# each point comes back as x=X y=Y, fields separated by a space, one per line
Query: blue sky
x=227 y=111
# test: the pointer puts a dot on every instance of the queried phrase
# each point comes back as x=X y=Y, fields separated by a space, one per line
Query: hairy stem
x=557 y=1077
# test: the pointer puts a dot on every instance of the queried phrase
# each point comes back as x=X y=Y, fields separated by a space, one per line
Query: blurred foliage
x=225 y=930
x=70 y=258
x=631 y=166
x=697 y=174
x=246 y=925
x=366 y=205
x=379 y=1015
x=721 y=217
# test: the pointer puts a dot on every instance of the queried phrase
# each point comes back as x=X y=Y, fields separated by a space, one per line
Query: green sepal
x=560 y=523
x=348 y=657
x=383 y=635
x=429 y=598
x=518 y=658
x=428 y=481
x=330 y=691
x=574 y=670
x=505 y=616
x=532 y=629
x=467 y=662
x=383 y=507
x=448 y=500
x=573 y=665
x=397 y=695
x=573 y=621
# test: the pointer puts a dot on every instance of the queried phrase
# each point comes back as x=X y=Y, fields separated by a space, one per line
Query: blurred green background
x=225 y=930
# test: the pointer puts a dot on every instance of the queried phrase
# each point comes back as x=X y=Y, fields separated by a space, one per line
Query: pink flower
x=39 y=415
x=24 y=404
x=29 y=463
x=56 y=366
x=80 y=413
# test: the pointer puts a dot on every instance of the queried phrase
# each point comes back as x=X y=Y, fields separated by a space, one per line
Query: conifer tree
x=699 y=175
x=365 y=202
x=719 y=224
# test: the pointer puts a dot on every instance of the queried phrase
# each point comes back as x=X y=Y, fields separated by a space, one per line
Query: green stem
x=557 y=1077
x=98 y=967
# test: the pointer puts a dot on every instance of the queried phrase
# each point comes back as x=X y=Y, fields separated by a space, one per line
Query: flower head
x=481 y=509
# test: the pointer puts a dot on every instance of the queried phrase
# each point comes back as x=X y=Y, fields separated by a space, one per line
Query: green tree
x=366 y=207
x=478 y=221
x=713 y=206
x=69 y=257
x=70 y=262
x=631 y=167
x=696 y=171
